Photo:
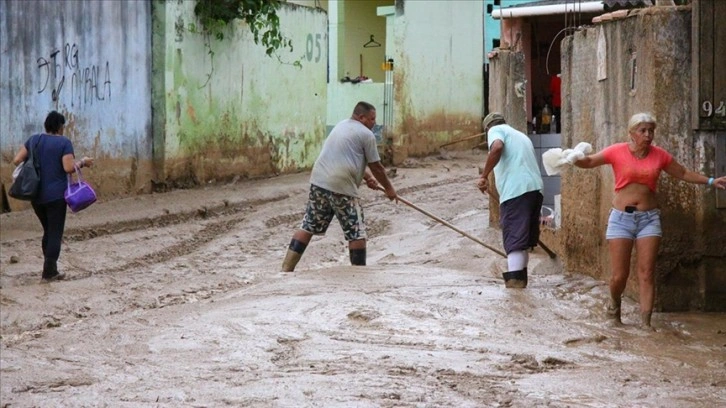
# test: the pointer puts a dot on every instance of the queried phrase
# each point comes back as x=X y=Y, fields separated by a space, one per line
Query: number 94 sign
x=708 y=109
x=712 y=115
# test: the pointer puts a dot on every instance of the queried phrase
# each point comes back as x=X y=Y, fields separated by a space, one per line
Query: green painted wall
x=229 y=109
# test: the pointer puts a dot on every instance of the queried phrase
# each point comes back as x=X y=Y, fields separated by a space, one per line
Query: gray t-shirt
x=344 y=157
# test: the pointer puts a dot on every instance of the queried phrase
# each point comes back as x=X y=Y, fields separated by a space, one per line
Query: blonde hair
x=639 y=118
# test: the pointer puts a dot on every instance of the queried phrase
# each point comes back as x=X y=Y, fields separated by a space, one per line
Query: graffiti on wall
x=86 y=83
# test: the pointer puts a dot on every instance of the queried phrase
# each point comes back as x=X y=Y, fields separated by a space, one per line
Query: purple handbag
x=80 y=194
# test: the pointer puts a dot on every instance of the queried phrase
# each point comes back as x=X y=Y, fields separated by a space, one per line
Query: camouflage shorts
x=324 y=204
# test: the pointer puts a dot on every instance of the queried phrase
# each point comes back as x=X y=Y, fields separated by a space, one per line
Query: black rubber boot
x=357 y=256
x=50 y=270
x=294 y=253
x=515 y=279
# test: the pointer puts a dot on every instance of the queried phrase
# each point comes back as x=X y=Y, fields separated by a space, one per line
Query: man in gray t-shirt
x=349 y=156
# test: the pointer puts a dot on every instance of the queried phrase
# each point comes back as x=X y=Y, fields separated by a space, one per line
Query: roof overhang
x=548 y=10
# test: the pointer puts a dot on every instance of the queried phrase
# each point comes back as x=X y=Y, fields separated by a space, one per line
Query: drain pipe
x=552 y=9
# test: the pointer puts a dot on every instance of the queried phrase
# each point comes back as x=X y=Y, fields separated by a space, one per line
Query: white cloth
x=554 y=160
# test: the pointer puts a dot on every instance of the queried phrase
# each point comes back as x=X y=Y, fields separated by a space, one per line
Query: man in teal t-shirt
x=519 y=183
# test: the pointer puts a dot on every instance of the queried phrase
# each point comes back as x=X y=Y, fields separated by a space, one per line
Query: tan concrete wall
x=506 y=96
x=692 y=253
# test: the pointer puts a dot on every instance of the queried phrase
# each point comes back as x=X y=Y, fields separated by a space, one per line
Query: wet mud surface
x=176 y=299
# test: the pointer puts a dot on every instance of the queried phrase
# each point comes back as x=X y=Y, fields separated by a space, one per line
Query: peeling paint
x=231 y=114
x=438 y=96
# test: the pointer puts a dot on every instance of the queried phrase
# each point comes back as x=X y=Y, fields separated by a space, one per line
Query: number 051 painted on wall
x=314 y=47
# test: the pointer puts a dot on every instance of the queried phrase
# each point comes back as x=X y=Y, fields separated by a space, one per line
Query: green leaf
x=261 y=17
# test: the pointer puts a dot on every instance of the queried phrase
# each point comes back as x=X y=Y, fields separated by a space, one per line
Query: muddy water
x=176 y=300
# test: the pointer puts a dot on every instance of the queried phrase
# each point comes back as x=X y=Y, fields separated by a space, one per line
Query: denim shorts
x=638 y=224
x=324 y=204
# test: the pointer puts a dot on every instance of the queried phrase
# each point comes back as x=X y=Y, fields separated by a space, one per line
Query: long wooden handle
x=422 y=211
x=462 y=139
x=549 y=251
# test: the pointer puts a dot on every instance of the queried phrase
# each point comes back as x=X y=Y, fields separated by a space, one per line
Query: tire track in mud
x=170 y=219
x=163 y=295
x=209 y=233
x=219 y=220
x=374 y=226
x=425 y=186
x=297 y=216
x=200 y=213
x=207 y=212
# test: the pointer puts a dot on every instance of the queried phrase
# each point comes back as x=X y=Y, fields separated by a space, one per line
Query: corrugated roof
x=613 y=5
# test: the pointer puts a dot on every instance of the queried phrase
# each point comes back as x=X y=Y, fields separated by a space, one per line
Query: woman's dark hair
x=54 y=121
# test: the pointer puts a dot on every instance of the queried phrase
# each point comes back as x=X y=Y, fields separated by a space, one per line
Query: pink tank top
x=629 y=169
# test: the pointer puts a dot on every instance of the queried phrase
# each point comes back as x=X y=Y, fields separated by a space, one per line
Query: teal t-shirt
x=517 y=171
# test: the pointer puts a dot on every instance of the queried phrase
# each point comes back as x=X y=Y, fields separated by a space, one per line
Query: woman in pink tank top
x=635 y=218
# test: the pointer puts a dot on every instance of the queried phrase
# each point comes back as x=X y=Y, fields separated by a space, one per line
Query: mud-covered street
x=176 y=300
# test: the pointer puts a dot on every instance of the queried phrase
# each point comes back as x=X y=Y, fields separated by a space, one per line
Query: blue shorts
x=638 y=224
x=324 y=204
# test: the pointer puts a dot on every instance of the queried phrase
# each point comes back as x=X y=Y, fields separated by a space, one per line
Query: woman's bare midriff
x=636 y=195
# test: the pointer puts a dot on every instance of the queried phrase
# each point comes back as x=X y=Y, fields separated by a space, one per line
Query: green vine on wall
x=261 y=17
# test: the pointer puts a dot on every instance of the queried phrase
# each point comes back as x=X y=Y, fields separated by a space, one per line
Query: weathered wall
x=597 y=111
x=506 y=93
x=225 y=109
x=507 y=96
x=344 y=96
x=438 y=74
x=90 y=61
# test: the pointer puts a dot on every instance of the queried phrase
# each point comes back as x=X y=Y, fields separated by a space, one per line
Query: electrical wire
x=575 y=20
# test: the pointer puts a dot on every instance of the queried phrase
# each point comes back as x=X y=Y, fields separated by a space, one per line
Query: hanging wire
x=574 y=18
x=547 y=60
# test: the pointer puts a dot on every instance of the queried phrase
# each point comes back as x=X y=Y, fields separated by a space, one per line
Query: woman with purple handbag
x=56 y=160
x=79 y=194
